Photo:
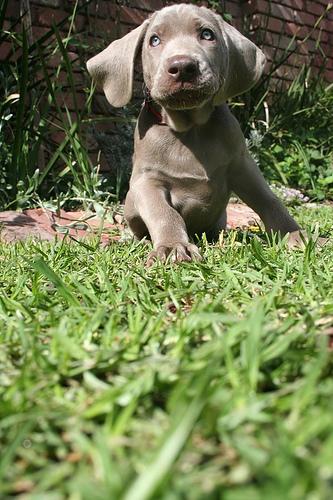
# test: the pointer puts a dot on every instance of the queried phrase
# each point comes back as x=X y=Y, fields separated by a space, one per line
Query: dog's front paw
x=176 y=252
x=298 y=239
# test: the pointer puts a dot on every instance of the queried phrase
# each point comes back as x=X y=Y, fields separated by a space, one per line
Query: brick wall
x=270 y=23
x=275 y=25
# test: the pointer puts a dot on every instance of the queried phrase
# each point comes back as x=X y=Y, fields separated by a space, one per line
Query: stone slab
x=45 y=224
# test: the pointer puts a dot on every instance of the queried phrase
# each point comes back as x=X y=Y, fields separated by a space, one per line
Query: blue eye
x=207 y=34
x=154 y=41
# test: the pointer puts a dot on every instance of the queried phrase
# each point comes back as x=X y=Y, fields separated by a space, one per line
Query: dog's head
x=190 y=55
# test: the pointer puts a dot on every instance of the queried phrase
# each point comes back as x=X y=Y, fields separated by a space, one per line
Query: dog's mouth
x=184 y=96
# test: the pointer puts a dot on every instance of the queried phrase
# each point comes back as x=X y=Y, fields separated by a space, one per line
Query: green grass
x=203 y=380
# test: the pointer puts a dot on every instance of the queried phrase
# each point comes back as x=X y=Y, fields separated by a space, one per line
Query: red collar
x=149 y=105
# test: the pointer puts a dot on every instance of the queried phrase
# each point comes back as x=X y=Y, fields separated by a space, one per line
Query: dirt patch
x=46 y=224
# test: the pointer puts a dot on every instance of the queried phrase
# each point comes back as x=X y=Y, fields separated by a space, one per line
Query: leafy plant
x=295 y=147
x=289 y=130
x=43 y=150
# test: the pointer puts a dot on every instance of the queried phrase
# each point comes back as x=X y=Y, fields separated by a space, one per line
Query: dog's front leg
x=165 y=225
x=247 y=181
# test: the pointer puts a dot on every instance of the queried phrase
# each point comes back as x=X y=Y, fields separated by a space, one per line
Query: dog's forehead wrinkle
x=183 y=43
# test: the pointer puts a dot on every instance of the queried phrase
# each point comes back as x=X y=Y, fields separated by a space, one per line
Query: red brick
x=329 y=64
x=327 y=25
x=45 y=16
x=294 y=29
x=123 y=29
x=261 y=6
x=270 y=38
x=315 y=8
x=249 y=7
x=322 y=36
x=302 y=48
x=132 y=16
x=57 y=137
x=68 y=101
x=285 y=13
x=238 y=24
x=312 y=34
x=308 y=19
x=5 y=50
x=287 y=71
x=320 y=62
x=79 y=79
x=55 y=60
x=233 y=9
x=39 y=32
x=104 y=27
x=80 y=22
x=293 y=4
x=327 y=49
x=100 y=105
x=275 y=25
x=329 y=75
x=13 y=9
x=148 y=5
x=274 y=53
x=311 y=45
x=106 y=10
x=49 y=3
x=6 y=26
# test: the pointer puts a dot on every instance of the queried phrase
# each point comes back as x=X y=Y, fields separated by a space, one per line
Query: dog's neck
x=183 y=120
x=179 y=120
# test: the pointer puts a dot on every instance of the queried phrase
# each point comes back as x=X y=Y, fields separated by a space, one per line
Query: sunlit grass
x=203 y=380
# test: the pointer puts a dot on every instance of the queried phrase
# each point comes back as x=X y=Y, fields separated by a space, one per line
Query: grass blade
x=146 y=484
x=43 y=268
x=16 y=173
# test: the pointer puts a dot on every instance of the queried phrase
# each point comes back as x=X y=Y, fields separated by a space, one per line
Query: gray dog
x=189 y=150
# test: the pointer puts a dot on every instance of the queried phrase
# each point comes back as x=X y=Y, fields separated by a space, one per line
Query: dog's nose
x=183 y=69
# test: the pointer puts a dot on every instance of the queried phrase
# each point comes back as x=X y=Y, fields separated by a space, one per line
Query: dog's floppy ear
x=245 y=63
x=113 y=68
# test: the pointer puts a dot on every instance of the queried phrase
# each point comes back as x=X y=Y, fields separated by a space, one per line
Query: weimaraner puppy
x=189 y=153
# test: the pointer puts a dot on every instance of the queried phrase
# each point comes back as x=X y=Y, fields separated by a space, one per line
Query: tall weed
x=42 y=141
x=294 y=146
x=290 y=129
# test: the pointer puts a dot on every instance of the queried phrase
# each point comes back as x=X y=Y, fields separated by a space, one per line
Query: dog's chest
x=196 y=155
